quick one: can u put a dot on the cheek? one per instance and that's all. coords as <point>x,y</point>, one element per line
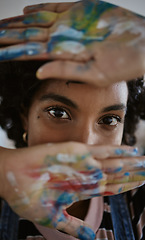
<point>40,131</point>
<point>117,139</point>
<point>35,129</point>
<point>113,138</point>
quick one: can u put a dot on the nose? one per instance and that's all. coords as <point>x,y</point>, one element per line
<point>87,135</point>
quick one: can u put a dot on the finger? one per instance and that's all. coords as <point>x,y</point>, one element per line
<point>52,7</point>
<point>81,162</point>
<point>112,189</point>
<point>117,165</point>
<point>83,72</point>
<point>28,51</point>
<point>30,20</point>
<point>74,227</point>
<point>68,70</point>
<point>113,151</point>
<point>15,36</point>
<point>126,177</point>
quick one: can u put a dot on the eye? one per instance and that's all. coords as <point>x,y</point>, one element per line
<point>110,120</point>
<point>58,112</point>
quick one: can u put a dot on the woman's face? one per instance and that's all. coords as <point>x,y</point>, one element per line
<point>67,111</point>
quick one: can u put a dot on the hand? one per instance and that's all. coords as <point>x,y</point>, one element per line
<point>40,182</point>
<point>112,51</point>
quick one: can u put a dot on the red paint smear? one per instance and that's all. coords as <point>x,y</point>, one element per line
<point>107,193</point>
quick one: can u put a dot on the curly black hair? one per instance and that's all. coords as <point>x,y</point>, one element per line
<point>18,84</point>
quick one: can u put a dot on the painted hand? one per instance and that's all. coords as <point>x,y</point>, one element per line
<point>100,43</point>
<point>41,182</point>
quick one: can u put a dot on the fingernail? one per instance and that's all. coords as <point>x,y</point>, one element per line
<point>39,73</point>
<point>85,233</point>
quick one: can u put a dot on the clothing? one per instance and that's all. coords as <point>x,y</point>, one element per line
<point>117,223</point>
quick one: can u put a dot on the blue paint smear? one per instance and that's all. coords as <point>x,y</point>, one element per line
<point>120,190</point>
<point>85,233</point>
<point>5,23</point>
<point>141,173</point>
<point>64,198</point>
<point>84,41</point>
<point>92,12</point>
<point>124,152</point>
<point>28,33</point>
<point>25,35</point>
<point>11,53</point>
<point>119,169</point>
<point>61,219</point>
<point>97,174</point>
<point>119,151</point>
<point>3,33</point>
<point>127,174</point>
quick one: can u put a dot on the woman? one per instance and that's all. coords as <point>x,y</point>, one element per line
<point>74,118</point>
<point>47,179</point>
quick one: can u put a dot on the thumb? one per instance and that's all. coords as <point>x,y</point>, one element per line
<point>75,227</point>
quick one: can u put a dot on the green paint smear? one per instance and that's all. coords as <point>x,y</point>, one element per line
<point>87,20</point>
<point>46,222</point>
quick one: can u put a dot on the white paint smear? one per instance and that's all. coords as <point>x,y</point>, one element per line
<point>11,178</point>
<point>66,158</point>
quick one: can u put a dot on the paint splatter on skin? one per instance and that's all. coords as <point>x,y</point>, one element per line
<point>11,178</point>
<point>123,152</point>
<point>24,35</point>
<point>29,49</point>
<point>41,18</point>
<point>62,179</point>
<point>77,30</point>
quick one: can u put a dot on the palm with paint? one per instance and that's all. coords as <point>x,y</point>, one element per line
<point>97,41</point>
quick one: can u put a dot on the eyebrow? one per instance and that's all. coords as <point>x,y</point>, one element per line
<point>114,107</point>
<point>59,98</point>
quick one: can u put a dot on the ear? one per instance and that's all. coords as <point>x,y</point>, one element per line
<point>24,118</point>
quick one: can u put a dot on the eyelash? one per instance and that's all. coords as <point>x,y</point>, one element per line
<point>62,109</point>
<point>58,108</point>
<point>118,120</point>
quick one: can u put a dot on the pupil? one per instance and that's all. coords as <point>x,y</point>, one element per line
<point>108,120</point>
<point>58,113</point>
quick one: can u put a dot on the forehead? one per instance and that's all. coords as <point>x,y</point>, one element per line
<point>77,91</point>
